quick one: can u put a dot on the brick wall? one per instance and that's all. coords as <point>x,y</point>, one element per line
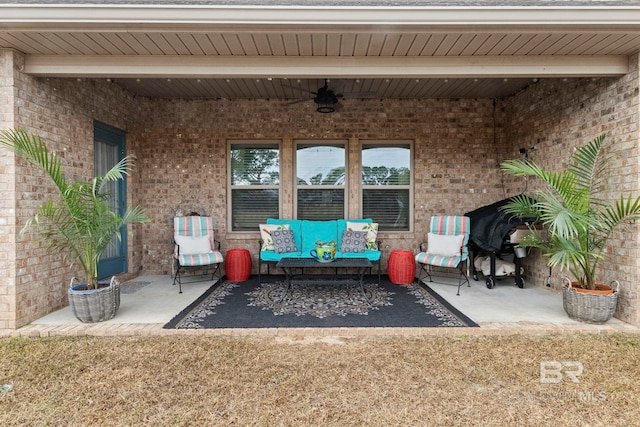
<point>7,197</point>
<point>556,116</point>
<point>182,148</point>
<point>183,157</point>
<point>61,111</point>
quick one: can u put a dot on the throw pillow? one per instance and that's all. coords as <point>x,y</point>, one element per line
<point>444,245</point>
<point>372,232</point>
<point>353,241</point>
<point>265,234</point>
<point>192,245</point>
<point>283,241</point>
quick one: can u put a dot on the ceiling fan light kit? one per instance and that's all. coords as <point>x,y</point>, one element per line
<point>325,107</point>
<point>325,99</point>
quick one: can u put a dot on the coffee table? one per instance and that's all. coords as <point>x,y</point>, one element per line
<point>288,265</point>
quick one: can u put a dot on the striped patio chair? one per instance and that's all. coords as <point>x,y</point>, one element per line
<point>195,246</point>
<point>446,247</point>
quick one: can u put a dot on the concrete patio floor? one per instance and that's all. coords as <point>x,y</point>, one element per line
<point>148,302</point>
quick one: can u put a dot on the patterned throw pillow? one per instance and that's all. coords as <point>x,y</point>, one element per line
<point>353,241</point>
<point>283,241</point>
<point>372,232</point>
<point>265,234</point>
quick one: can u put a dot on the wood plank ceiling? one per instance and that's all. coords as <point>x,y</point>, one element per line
<point>48,47</point>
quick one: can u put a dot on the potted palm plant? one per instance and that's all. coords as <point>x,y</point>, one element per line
<point>78,222</point>
<point>577,223</point>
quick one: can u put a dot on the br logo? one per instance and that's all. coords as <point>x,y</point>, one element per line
<point>552,372</point>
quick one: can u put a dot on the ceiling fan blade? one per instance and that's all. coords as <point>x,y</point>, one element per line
<point>361,95</point>
<point>296,88</point>
<point>297,101</point>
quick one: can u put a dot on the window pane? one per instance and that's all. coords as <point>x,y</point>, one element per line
<point>320,165</point>
<point>386,165</point>
<point>252,207</point>
<point>255,164</point>
<point>388,207</point>
<point>320,204</point>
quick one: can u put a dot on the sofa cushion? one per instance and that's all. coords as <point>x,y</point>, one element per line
<point>342,223</point>
<point>312,231</point>
<point>294,225</point>
<point>373,256</point>
<point>353,241</point>
<point>370,227</point>
<point>265,234</point>
<point>283,241</point>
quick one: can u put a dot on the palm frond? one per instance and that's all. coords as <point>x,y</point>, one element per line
<point>81,220</point>
<point>579,223</point>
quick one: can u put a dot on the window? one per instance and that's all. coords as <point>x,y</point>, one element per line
<point>386,184</point>
<point>320,180</point>
<point>255,183</point>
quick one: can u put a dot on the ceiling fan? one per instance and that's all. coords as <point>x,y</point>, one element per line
<point>326,99</point>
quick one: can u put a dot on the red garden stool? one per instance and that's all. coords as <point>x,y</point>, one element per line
<point>237,265</point>
<point>402,267</point>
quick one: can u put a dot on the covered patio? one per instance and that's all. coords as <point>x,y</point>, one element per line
<point>150,302</point>
<point>463,86</point>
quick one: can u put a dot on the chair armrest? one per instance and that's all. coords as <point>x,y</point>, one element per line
<point>423,247</point>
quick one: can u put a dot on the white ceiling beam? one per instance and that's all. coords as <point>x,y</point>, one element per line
<point>131,17</point>
<point>324,67</point>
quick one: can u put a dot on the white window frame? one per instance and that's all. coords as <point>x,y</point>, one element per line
<point>231,187</point>
<point>345,187</point>
<point>410,186</point>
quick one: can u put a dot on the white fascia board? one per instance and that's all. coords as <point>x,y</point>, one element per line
<point>300,18</point>
<point>324,67</point>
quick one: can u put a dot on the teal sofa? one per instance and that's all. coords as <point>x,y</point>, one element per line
<point>306,233</point>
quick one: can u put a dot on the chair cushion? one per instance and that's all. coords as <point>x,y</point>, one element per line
<point>370,227</point>
<point>191,245</point>
<point>446,245</point>
<point>283,241</point>
<point>353,241</point>
<point>265,234</point>
<point>213,257</point>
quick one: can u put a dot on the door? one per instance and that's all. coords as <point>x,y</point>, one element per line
<point>109,148</point>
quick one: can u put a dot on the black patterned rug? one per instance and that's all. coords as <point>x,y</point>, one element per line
<point>250,305</point>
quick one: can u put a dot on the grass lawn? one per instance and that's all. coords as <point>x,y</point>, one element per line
<point>204,381</point>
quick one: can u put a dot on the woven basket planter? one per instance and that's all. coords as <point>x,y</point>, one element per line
<point>588,307</point>
<point>95,305</point>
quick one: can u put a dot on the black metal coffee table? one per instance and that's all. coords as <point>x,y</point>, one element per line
<point>288,265</point>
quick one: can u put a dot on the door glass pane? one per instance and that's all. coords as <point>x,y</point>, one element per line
<point>105,157</point>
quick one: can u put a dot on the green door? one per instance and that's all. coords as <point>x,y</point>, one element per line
<point>109,148</point>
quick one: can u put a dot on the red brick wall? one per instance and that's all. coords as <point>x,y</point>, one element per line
<point>181,149</point>
<point>556,116</point>
<point>61,112</point>
<point>184,154</point>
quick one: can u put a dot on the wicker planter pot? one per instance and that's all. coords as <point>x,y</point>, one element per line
<point>589,307</point>
<point>95,305</point>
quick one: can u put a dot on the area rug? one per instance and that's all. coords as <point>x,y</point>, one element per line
<point>252,305</point>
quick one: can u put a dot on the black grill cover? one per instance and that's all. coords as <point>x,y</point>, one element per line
<point>490,226</point>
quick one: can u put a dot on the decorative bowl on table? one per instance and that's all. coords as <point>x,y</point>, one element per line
<point>324,253</point>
